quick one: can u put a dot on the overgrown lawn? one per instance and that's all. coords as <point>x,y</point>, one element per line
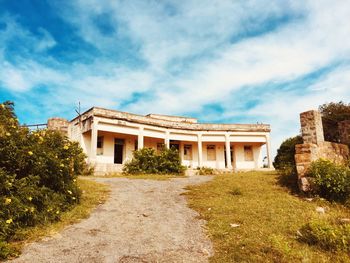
<point>268,216</point>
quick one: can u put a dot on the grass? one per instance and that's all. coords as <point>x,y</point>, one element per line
<point>269,218</point>
<point>93,194</point>
<point>158,177</point>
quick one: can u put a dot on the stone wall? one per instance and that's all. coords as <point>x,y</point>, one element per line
<point>314,146</point>
<point>344,131</point>
<point>59,124</point>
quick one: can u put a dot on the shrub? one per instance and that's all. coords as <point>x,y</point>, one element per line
<point>285,162</point>
<point>147,161</point>
<point>205,171</point>
<point>332,181</point>
<point>38,171</point>
<point>334,237</point>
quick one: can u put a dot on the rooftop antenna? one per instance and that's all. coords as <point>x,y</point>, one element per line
<point>78,110</point>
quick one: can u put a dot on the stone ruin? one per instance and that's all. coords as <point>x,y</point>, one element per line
<point>314,146</point>
<point>58,124</point>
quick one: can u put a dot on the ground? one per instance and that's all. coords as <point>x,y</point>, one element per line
<point>142,221</point>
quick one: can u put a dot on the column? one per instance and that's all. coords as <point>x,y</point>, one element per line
<point>94,134</point>
<point>167,140</point>
<point>269,161</point>
<point>140,139</point>
<point>200,151</point>
<point>228,151</point>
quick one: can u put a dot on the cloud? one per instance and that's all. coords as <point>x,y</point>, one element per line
<point>225,61</point>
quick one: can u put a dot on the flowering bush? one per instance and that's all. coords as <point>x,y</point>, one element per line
<point>38,173</point>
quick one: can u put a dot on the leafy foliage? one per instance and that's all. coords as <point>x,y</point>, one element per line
<point>148,161</point>
<point>38,173</point>
<point>333,237</point>
<point>332,181</point>
<point>205,171</point>
<point>285,163</point>
<point>332,113</point>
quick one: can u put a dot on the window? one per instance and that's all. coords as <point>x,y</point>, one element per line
<point>99,142</point>
<point>187,152</point>
<point>248,153</point>
<point>211,153</point>
<point>99,145</point>
<point>160,147</point>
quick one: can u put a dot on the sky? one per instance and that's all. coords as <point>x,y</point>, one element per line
<point>220,61</point>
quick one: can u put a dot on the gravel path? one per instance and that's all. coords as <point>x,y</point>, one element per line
<point>142,221</point>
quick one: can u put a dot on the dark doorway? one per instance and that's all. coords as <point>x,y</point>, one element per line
<point>175,144</point>
<point>118,150</point>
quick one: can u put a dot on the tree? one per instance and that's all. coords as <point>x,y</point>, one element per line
<point>332,113</point>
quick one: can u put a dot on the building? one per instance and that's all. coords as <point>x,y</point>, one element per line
<point>109,137</point>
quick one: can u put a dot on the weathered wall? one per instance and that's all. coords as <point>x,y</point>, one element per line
<point>344,131</point>
<point>59,124</point>
<point>314,146</point>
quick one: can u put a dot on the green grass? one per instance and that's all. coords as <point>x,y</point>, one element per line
<point>93,194</point>
<point>158,177</point>
<point>268,215</point>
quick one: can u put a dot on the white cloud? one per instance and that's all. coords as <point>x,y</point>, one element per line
<point>193,55</point>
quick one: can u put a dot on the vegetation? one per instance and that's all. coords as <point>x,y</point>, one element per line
<point>285,163</point>
<point>38,172</point>
<point>93,194</point>
<point>148,161</point>
<point>205,171</point>
<point>332,113</point>
<point>269,220</point>
<point>332,236</point>
<point>331,181</point>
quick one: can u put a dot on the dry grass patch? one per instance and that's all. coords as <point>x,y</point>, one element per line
<point>93,194</point>
<point>268,216</point>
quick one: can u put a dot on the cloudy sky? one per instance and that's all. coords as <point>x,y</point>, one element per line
<point>221,61</point>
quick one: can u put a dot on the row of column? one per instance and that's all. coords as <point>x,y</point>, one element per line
<point>140,140</point>
<point>140,145</point>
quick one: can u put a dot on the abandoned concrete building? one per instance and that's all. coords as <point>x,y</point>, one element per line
<point>109,137</point>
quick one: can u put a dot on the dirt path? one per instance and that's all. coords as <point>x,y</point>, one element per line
<point>143,221</point>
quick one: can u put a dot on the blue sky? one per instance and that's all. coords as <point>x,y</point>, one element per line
<point>220,61</point>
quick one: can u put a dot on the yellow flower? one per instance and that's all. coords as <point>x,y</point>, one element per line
<point>32,209</point>
<point>8,134</point>
<point>66,147</point>
<point>9,184</point>
<point>57,212</point>
<point>61,165</point>
<point>30,153</point>
<point>30,198</point>
<point>73,198</point>
<point>26,210</point>
<point>69,192</point>
<point>74,180</point>
<point>7,201</point>
<point>9,221</point>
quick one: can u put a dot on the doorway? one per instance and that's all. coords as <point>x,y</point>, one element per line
<point>118,150</point>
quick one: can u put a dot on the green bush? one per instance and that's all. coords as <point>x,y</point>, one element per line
<point>285,162</point>
<point>328,236</point>
<point>38,171</point>
<point>205,171</point>
<point>332,181</point>
<point>148,161</point>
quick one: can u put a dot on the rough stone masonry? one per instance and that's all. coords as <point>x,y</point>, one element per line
<point>314,146</point>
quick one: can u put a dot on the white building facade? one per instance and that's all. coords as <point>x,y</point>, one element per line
<point>109,137</point>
